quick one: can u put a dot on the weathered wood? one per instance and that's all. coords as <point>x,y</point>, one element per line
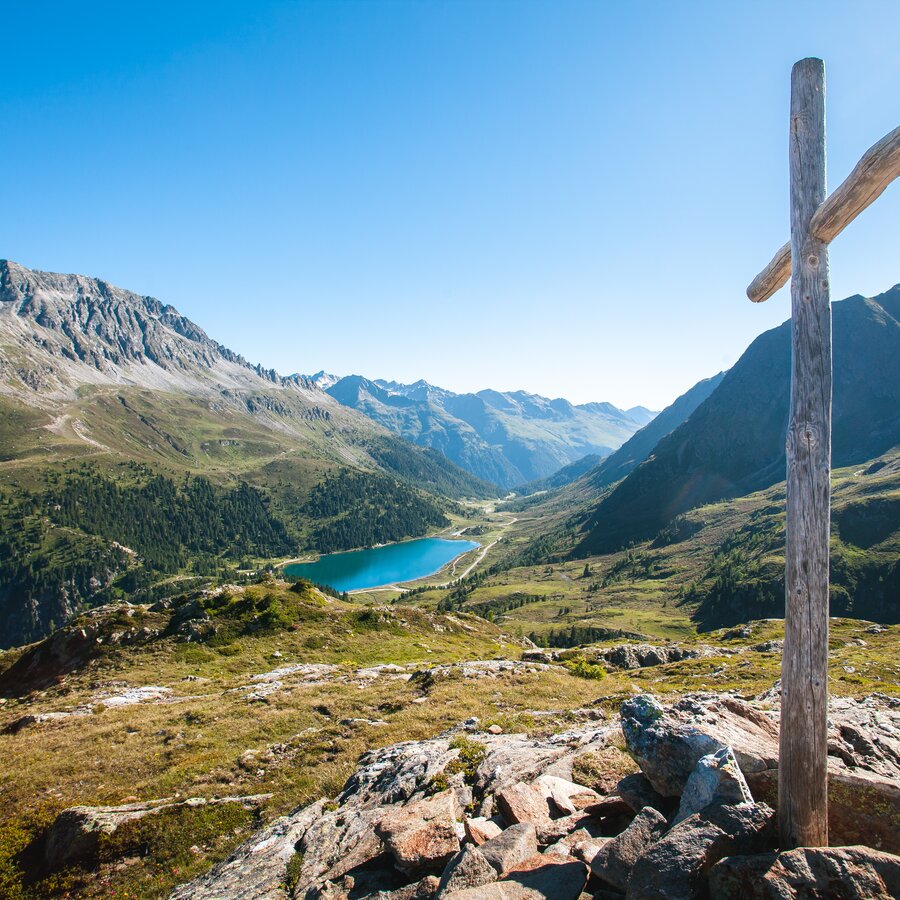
<point>879,166</point>
<point>803,755</point>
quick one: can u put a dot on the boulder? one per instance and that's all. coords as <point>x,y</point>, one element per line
<point>420,890</point>
<point>336,843</point>
<point>675,867</point>
<point>667,744</point>
<point>587,849</point>
<point>421,835</point>
<point>479,830</point>
<point>513,758</point>
<point>540,877</point>
<point>549,876</point>
<point>75,833</point>
<point>615,859</point>
<point>808,873</point>
<point>716,778</point>
<point>863,773</point>
<point>468,869</point>
<point>567,796</point>
<point>520,803</point>
<point>509,848</point>
<point>637,792</point>
<point>863,755</point>
<point>556,829</point>
<point>639,656</point>
<point>394,774</point>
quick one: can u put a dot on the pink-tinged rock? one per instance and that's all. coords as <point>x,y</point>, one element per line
<point>615,860</point>
<point>520,803</point>
<point>510,847</point>
<point>421,835</point>
<point>567,796</point>
<point>480,830</point>
<point>808,873</point>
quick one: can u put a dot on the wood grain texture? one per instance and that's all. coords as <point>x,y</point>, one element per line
<point>879,166</point>
<point>802,765</point>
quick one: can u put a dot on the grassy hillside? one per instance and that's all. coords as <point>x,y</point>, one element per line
<point>115,492</point>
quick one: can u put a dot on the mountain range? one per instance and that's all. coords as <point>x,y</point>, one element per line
<point>733,442</point>
<point>508,438</point>
<point>135,446</point>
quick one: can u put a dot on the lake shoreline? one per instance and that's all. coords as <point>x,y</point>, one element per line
<point>353,571</point>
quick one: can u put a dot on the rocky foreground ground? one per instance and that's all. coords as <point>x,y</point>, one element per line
<point>482,814</point>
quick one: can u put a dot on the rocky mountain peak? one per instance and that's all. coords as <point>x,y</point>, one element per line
<point>60,331</point>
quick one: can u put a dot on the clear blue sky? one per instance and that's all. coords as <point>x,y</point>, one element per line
<point>564,197</point>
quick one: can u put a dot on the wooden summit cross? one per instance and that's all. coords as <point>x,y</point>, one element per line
<point>815,222</point>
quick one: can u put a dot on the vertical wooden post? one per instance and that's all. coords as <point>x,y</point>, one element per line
<point>802,766</point>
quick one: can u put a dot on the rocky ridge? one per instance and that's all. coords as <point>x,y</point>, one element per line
<point>60,331</point>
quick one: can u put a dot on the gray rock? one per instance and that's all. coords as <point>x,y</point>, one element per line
<point>842,873</point>
<point>257,868</point>
<point>614,860</point>
<point>393,774</point>
<point>639,656</point>
<point>557,829</point>
<point>421,890</point>
<point>507,850</point>
<point>335,843</point>
<point>863,755</point>
<point>468,869</point>
<point>666,751</point>
<point>716,778</point>
<point>541,878</point>
<point>637,792</point>
<point>552,877</point>
<point>567,796</point>
<point>513,758</point>
<point>675,867</point>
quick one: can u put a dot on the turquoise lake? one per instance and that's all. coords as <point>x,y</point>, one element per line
<point>393,563</point>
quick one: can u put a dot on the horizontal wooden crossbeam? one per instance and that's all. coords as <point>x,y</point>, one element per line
<point>879,166</point>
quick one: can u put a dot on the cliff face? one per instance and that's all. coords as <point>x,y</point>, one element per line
<point>60,331</point>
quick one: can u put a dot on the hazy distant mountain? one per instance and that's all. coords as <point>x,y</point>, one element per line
<point>638,447</point>
<point>734,441</point>
<point>562,477</point>
<point>505,437</point>
<point>641,414</point>
<point>324,380</point>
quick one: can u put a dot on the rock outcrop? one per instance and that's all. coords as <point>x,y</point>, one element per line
<point>808,874</point>
<point>76,832</point>
<point>510,821</point>
<point>863,755</point>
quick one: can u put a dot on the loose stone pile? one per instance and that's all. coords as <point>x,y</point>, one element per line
<point>474,814</point>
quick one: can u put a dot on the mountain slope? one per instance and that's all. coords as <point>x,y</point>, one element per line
<point>121,422</point>
<point>509,438</point>
<point>734,442</point>
<point>640,445</point>
<point>562,477</point>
